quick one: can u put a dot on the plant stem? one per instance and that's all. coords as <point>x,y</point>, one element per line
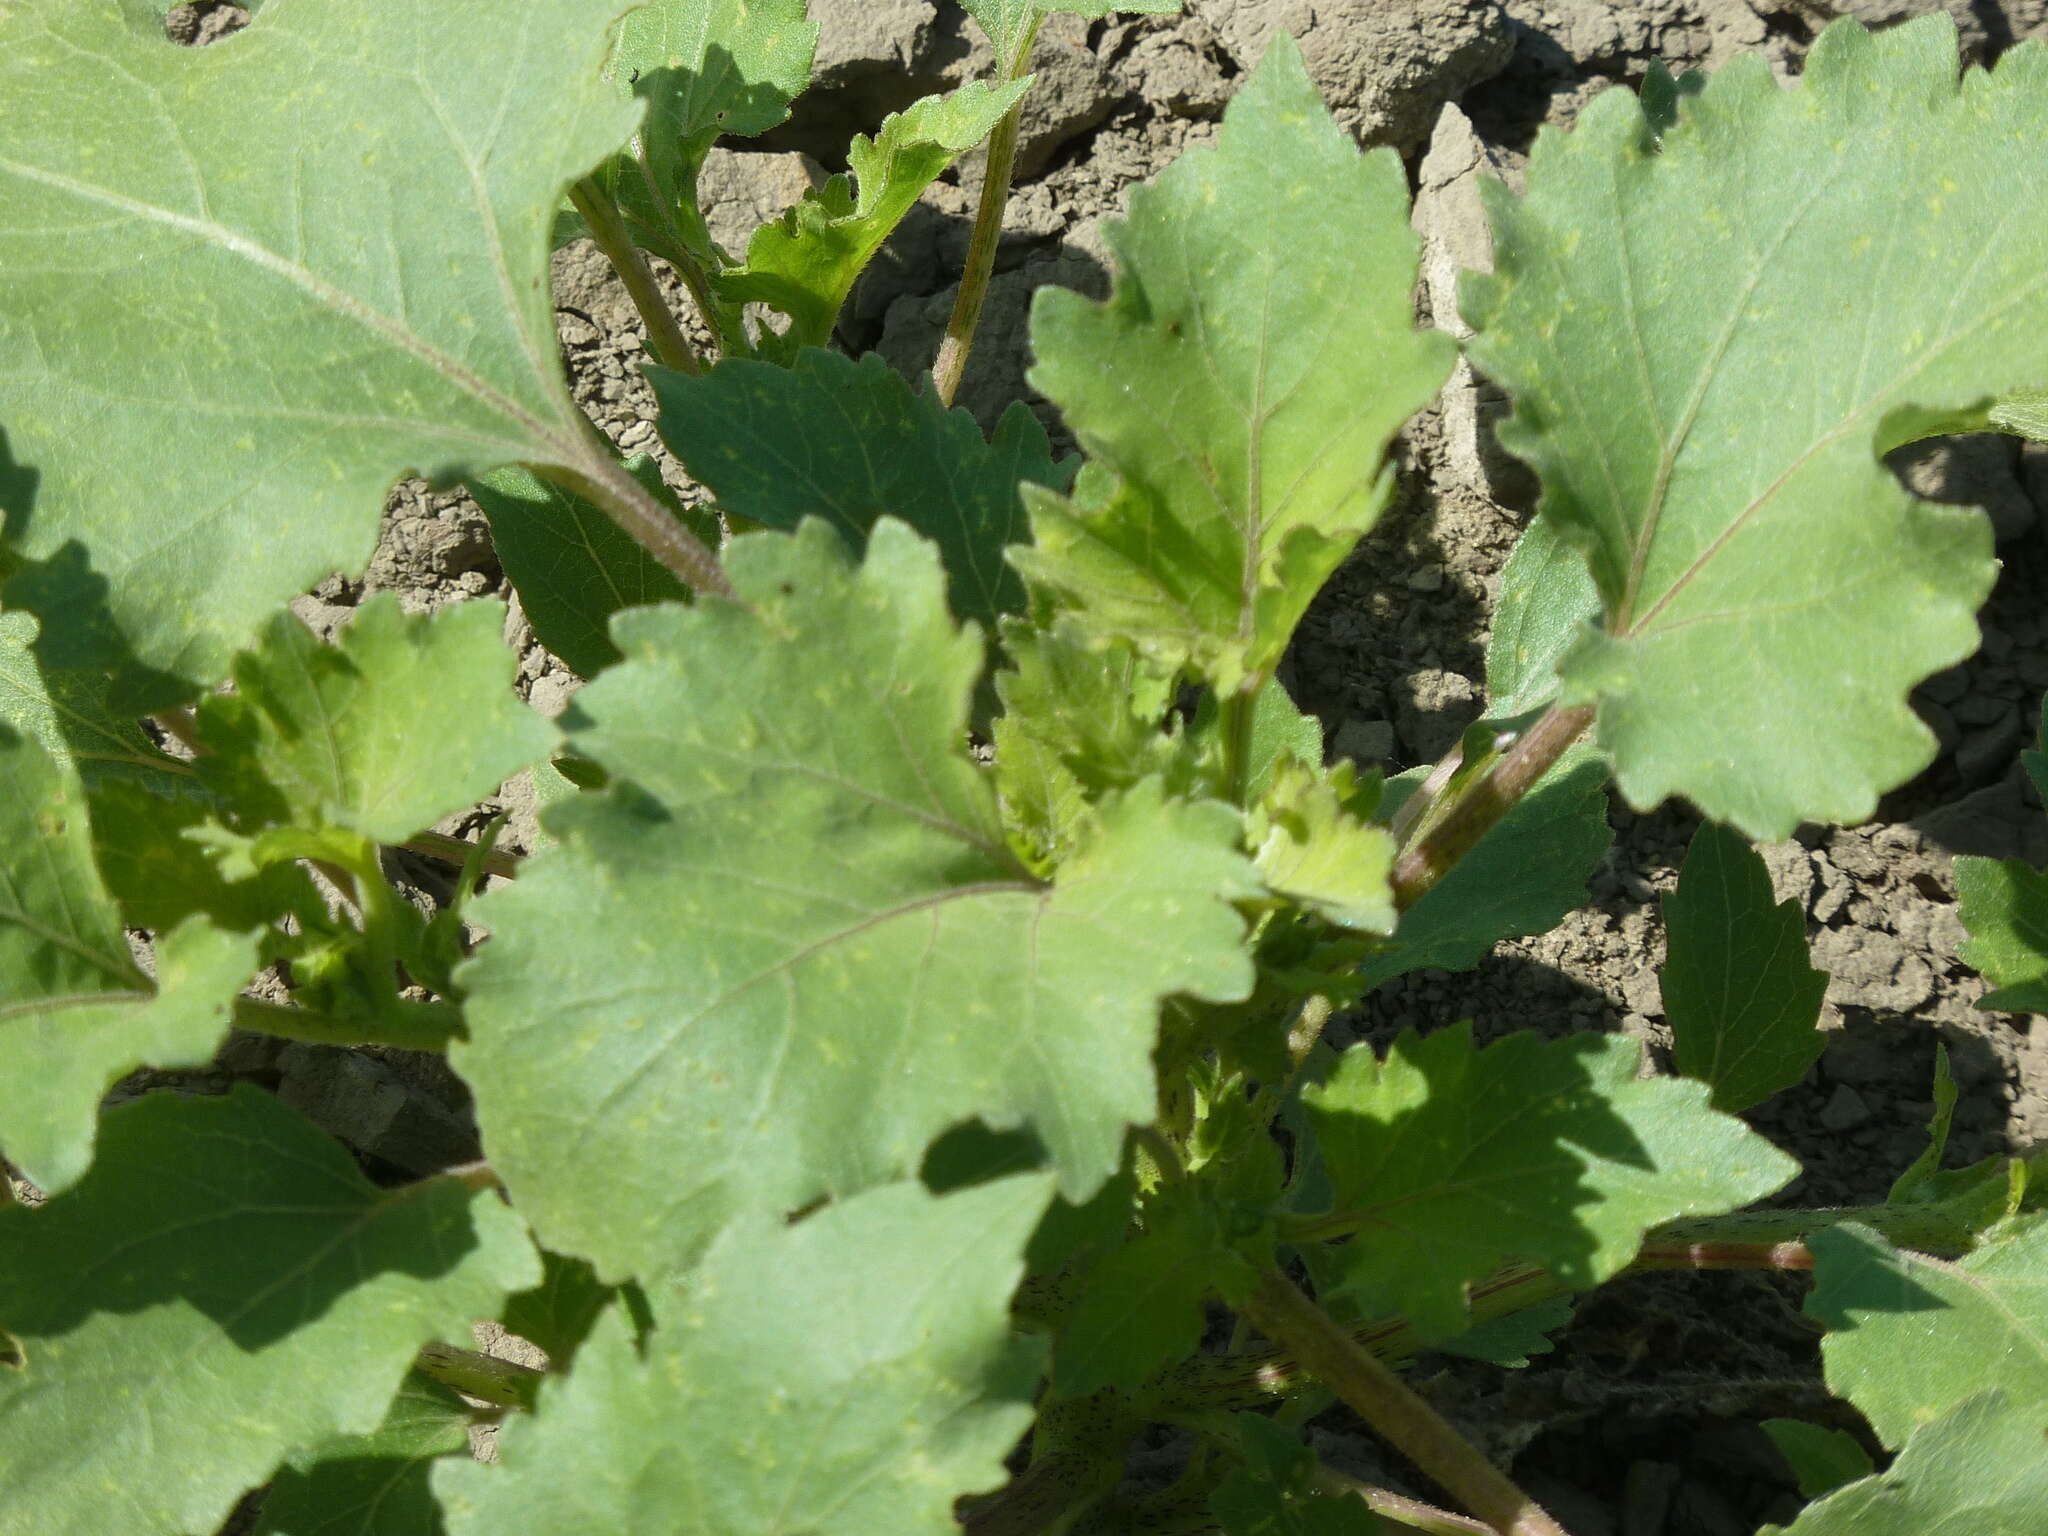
<point>599,480</point>
<point>1484,801</point>
<point>1398,1507</point>
<point>665,338</point>
<point>1284,1314</point>
<point>481,1376</point>
<point>988,233</point>
<point>456,851</point>
<point>409,1026</point>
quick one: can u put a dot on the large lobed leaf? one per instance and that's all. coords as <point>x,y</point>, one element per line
<point>276,273</point>
<point>76,1013</point>
<point>1455,1159</point>
<point>793,946</point>
<point>224,1288</point>
<point>1711,335</point>
<point>1977,1472</point>
<point>1911,1338</point>
<point>1237,392</point>
<point>853,1373</point>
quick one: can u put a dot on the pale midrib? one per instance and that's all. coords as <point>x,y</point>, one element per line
<point>1667,462</point>
<point>335,299</point>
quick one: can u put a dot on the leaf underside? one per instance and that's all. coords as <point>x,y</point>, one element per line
<point>1711,336</point>
<point>277,272</point>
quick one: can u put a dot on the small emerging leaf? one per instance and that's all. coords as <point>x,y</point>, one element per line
<point>805,263</point>
<point>407,718</point>
<point>1743,1002</point>
<point>1310,848</point>
<point>1237,392</point>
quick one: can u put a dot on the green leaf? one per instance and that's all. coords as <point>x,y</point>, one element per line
<point>572,565</point>
<point>1911,1337</point>
<point>1273,1493</point>
<point>2024,413</point>
<point>374,1484</point>
<point>1006,21</point>
<point>1821,1459</point>
<point>407,718</point>
<point>76,1014</point>
<point>870,446</point>
<point>1711,337</point>
<point>1743,1002</point>
<point>852,1373</point>
<point>1924,1179</point>
<point>2004,905</point>
<point>1238,391</point>
<point>223,1288</point>
<point>793,947</point>
<point>558,1314</point>
<point>707,69</point>
<point>1141,1310</point>
<point>1980,1471</point>
<point>1312,850</point>
<point>1523,877</point>
<point>69,716</point>
<point>1514,1339</point>
<point>804,264</point>
<point>1572,1161</point>
<point>1547,603</point>
<point>152,854</point>
<point>254,283</point>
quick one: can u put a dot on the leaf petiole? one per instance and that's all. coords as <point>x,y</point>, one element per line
<point>988,231</point>
<point>665,338</point>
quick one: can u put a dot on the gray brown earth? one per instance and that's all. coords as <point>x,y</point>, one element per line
<point>1639,1424</point>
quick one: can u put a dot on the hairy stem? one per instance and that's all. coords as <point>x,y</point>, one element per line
<point>665,338</point>
<point>988,232</point>
<point>1483,802</point>
<point>599,480</point>
<point>1285,1315</point>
